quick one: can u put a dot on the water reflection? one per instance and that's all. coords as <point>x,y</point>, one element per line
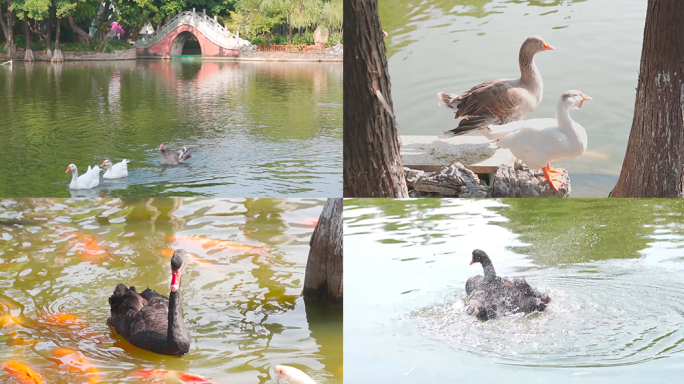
<point>258,128</point>
<point>60,260</point>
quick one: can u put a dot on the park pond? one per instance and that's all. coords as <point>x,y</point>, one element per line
<point>259,129</point>
<point>449,46</point>
<point>60,260</point>
<point>614,270</point>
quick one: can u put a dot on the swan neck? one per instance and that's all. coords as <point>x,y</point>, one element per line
<point>489,272</point>
<point>177,336</point>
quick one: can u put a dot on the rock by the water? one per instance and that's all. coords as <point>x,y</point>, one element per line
<point>249,47</point>
<point>520,181</point>
<point>321,35</point>
<point>458,181</point>
<point>337,48</point>
<point>453,181</point>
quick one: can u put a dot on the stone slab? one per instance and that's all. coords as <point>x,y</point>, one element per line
<point>430,153</point>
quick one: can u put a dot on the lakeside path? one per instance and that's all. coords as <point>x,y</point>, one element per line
<point>130,54</point>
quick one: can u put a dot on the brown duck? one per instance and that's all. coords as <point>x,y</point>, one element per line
<point>169,157</point>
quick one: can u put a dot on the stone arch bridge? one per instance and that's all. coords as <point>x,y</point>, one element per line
<point>168,40</point>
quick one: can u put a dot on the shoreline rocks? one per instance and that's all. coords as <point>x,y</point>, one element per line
<point>458,181</point>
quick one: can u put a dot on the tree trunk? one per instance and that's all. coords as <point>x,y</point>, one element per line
<point>28,55</point>
<point>57,55</point>
<point>654,162</point>
<point>372,161</point>
<point>7,29</point>
<point>323,279</point>
<point>49,34</point>
<point>83,36</point>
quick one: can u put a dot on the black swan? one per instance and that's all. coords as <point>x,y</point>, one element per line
<point>149,320</point>
<point>490,294</point>
<point>172,158</point>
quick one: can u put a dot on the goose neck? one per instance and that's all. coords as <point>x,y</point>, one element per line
<point>529,74</point>
<point>563,116</point>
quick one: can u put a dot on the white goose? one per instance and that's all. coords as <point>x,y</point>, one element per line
<point>538,142</point>
<point>88,180</point>
<point>115,171</point>
<point>291,375</point>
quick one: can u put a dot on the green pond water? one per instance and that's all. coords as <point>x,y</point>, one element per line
<point>614,270</point>
<point>61,259</point>
<point>450,46</point>
<point>263,129</point>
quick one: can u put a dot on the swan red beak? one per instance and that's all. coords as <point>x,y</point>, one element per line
<point>547,47</point>
<point>175,280</point>
<point>68,169</point>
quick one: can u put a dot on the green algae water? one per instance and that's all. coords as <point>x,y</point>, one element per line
<point>259,129</point>
<point>60,260</point>
<point>614,270</point>
<point>450,46</point>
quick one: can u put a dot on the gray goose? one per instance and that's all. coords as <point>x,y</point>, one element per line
<point>501,101</point>
<point>172,158</point>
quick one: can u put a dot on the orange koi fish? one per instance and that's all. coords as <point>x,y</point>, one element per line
<point>63,320</point>
<point>17,340</point>
<point>215,244</point>
<point>193,259</point>
<point>75,361</point>
<point>84,245</point>
<point>22,372</point>
<point>172,375</point>
<point>6,320</point>
<point>310,223</point>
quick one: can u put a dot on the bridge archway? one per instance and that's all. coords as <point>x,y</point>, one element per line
<point>178,46</point>
<point>214,40</point>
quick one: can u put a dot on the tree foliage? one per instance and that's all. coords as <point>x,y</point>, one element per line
<point>251,18</point>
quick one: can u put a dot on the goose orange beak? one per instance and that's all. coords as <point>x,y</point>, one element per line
<point>471,263</point>
<point>68,169</point>
<point>103,163</point>
<point>160,147</point>
<point>547,47</point>
<point>584,98</point>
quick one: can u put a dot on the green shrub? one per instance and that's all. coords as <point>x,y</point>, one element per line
<point>279,39</point>
<point>332,39</point>
<point>256,40</point>
<point>117,46</point>
<point>304,39</point>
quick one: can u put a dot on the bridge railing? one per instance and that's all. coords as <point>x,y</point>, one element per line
<point>213,30</point>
